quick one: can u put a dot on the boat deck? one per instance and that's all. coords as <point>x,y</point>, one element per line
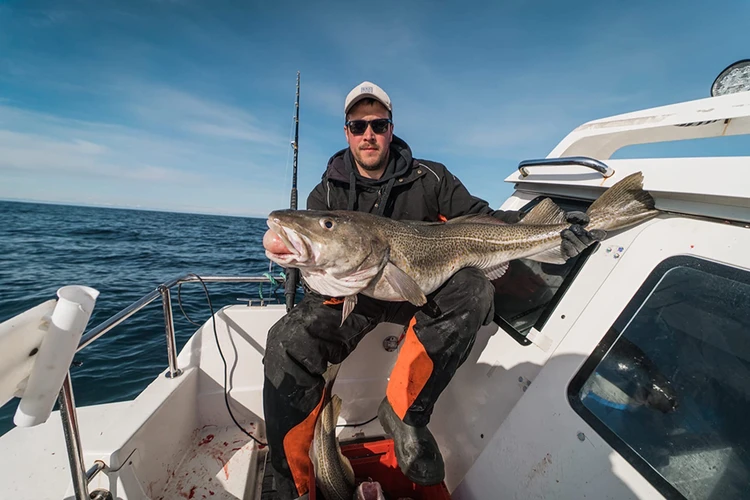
<point>223,464</point>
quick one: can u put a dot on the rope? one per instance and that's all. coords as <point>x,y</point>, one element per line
<point>273,281</point>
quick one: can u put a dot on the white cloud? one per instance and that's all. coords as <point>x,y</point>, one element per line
<point>221,159</point>
<point>38,153</point>
<point>177,110</point>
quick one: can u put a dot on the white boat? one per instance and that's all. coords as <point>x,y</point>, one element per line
<point>562,396</point>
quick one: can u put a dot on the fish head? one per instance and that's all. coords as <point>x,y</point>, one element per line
<point>369,490</point>
<point>336,243</point>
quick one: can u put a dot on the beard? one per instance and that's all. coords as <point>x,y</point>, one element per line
<point>372,162</point>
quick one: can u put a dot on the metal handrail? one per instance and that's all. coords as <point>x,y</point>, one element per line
<point>82,477</point>
<point>163,291</point>
<point>583,161</point>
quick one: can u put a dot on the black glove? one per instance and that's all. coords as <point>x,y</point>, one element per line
<point>508,216</point>
<point>576,239</point>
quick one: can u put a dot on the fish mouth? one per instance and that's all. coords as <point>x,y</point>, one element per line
<point>298,245</point>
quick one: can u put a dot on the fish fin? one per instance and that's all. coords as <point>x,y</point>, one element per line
<point>349,302</point>
<point>330,374</point>
<point>404,284</point>
<point>313,451</point>
<point>546,212</point>
<point>336,407</point>
<point>476,219</point>
<point>496,272</point>
<point>622,205</point>
<point>348,469</point>
<point>551,256</point>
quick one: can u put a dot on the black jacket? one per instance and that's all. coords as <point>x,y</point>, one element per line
<point>410,189</point>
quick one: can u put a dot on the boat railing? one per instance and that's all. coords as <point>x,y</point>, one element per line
<point>80,475</point>
<point>583,161</point>
<point>163,291</point>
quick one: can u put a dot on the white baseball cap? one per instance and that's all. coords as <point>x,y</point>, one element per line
<point>367,90</point>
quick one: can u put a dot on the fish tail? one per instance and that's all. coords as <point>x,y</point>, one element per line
<point>330,376</point>
<point>335,408</point>
<point>624,204</point>
<point>331,403</point>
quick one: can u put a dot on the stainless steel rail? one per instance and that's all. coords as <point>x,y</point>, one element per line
<point>99,330</point>
<point>81,477</point>
<point>73,440</point>
<point>166,300</point>
<point>583,161</point>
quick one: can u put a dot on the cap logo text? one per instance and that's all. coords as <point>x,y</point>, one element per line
<point>365,90</point>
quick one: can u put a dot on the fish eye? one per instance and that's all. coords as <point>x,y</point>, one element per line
<point>326,223</point>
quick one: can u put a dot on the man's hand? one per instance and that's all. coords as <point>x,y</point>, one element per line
<point>576,239</point>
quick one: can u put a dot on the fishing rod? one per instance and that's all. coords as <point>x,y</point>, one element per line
<point>290,285</point>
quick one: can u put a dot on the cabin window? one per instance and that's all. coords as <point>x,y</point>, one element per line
<point>529,291</point>
<point>669,385</point>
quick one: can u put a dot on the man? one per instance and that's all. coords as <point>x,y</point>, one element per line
<point>378,174</point>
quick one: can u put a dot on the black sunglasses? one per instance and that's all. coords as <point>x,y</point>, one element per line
<point>358,127</point>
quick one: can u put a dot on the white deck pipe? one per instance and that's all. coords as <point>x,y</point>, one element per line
<point>69,319</point>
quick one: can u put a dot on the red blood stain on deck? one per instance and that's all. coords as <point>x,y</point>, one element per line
<point>211,492</point>
<point>261,446</point>
<point>206,440</point>
<point>236,449</point>
<point>226,444</point>
<point>186,494</point>
<point>217,455</point>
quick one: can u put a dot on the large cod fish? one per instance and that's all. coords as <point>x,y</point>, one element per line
<point>344,253</point>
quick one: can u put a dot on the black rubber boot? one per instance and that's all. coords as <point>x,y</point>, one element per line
<point>417,451</point>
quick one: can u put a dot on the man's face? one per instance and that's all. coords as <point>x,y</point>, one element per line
<point>370,150</point>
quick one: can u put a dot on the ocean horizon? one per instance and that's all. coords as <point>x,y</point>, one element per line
<point>125,254</point>
<point>135,207</point>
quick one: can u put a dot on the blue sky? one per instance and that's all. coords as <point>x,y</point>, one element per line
<point>188,105</point>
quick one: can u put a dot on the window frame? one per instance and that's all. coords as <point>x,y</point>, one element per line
<point>549,308</point>
<point>628,313</point>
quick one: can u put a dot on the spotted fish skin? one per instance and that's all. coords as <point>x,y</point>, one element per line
<point>345,253</point>
<point>334,475</point>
